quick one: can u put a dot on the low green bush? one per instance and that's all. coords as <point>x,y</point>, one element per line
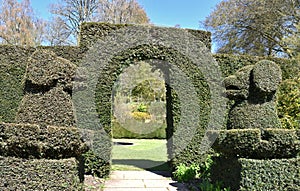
<point>208,186</point>
<point>205,168</point>
<point>184,173</point>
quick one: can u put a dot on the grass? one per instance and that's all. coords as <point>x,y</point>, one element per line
<point>143,154</point>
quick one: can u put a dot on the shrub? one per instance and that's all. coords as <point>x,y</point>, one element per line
<point>205,167</point>
<point>94,165</point>
<point>288,103</point>
<point>185,173</point>
<point>208,186</point>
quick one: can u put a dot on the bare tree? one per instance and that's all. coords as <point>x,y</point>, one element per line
<point>69,14</point>
<point>293,43</point>
<point>19,25</point>
<point>73,12</point>
<point>58,33</point>
<point>255,27</point>
<point>122,11</point>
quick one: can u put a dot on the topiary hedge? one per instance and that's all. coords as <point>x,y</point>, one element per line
<point>48,80</point>
<point>42,174</point>
<point>110,72</point>
<point>34,141</point>
<point>253,89</point>
<point>257,144</point>
<point>252,174</point>
<point>93,31</point>
<point>13,63</point>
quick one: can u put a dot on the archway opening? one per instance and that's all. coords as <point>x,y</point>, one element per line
<point>139,122</point>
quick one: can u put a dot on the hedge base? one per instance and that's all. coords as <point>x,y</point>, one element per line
<point>256,143</point>
<point>249,174</point>
<point>23,174</point>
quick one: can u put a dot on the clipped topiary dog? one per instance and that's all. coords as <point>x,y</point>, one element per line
<point>48,86</point>
<point>253,88</point>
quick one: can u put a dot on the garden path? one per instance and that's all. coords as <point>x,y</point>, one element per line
<point>142,181</point>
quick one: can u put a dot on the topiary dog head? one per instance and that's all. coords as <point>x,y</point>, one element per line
<point>46,69</point>
<point>254,82</point>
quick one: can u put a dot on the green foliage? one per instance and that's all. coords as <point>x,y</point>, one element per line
<point>39,174</point>
<point>47,80</point>
<point>208,186</point>
<point>142,108</point>
<point>121,131</point>
<point>205,168</point>
<point>251,174</point>
<point>257,144</point>
<point>34,141</point>
<point>12,70</point>
<point>94,165</point>
<point>184,173</point>
<point>253,89</point>
<point>229,64</point>
<point>288,104</point>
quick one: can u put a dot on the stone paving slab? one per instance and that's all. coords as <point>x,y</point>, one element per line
<point>142,181</point>
<point>140,189</point>
<point>158,175</point>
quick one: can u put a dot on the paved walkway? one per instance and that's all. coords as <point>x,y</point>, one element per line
<point>142,181</point>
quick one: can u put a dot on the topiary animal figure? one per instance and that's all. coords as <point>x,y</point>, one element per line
<point>48,87</point>
<point>253,89</point>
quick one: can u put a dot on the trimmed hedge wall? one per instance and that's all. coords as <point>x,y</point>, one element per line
<point>109,76</point>
<point>252,174</point>
<point>34,141</point>
<point>42,174</point>
<point>121,132</point>
<point>92,32</point>
<point>257,144</point>
<point>231,63</point>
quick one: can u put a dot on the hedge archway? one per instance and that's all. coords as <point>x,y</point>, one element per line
<point>194,92</point>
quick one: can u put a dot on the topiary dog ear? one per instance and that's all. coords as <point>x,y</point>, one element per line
<point>44,67</point>
<point>266,76</point>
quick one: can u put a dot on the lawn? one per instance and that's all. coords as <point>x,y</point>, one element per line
<point>139,154</point>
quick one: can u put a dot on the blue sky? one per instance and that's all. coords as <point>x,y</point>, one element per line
<point>186,13</point>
